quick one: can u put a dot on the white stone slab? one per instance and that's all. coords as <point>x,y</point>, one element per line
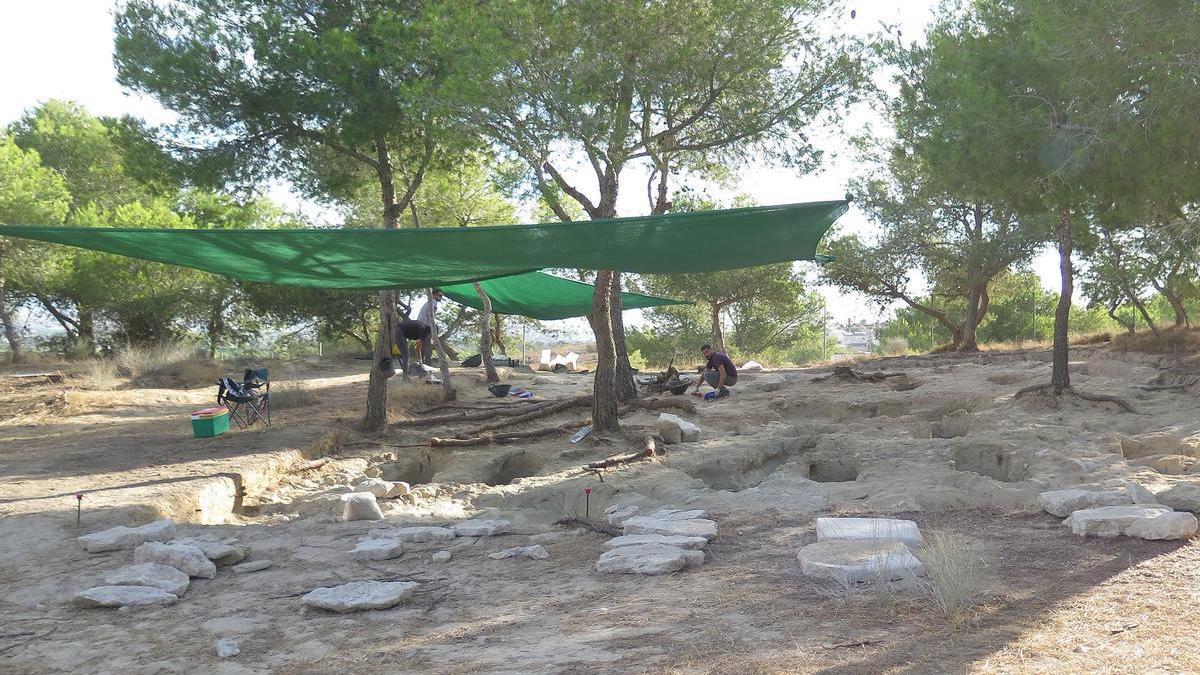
<point>617,514</point>
<point>535,552</point>
<point>869,529</point>
<point>441,557</point>
<point>851,561</point>
<point>1063,503</point>
<point>358,596</point>
<point>481,528</point>
<point>360,506</point>
<point>422,534</point>
<point>163,577</point>
<point>378,549</point>
<point>696,527</point>
<point>187,559</point>
<point>1145,521</point>
<point>220,553</point>
<point>228,648</point>
<point>124,538</point>
<point>643,559</point>
<point>124,596</point>
<point>252,566</point>
<point>676,514</point>
<point>689,543</point>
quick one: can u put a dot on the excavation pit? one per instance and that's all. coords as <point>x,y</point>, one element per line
<point>993,461</point>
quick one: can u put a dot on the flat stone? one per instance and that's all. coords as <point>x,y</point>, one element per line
<point>695,527</point>
<point>1147,521</point>
<point>441,557</point>
<point>162,577</point>
<point>851,561</point>
<point>228,648</point>
<point>220,553</point>
<point>693,558</point>
<point>675,429</point>
<point>1063,503</point>
<point>360,506</point>
<point>535,552</point>
<point>422,534</point>
<point>1139,494</point>
<point>771,382</point>
<point>481,528</point>
<point>676,514</point>
<point>1181,496</point>
<point>358,596</point>
<point>869,529</point>
<point>377,549</point>
<point>382,489</point>
<point>680,541</point>
<point>187,559</point>
<point>643,559</point>
<point>252,566</point>
<point>617,514</point>
<point>124,538</point>
<point>124,596</point>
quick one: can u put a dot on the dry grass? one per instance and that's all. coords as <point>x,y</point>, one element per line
<point>98,374</point>
<point>896,346</point>
<point>292,394</point>
<point>416,394</point>
<point>955,573</point>
<point>1169,341</point>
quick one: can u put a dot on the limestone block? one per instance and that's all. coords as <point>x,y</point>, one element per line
<point>124,596</point>
<point>695,527</point>
<point>1141,495</point>
<point>1063,503</point>
<point>187,559</point>
<point>383,489</point>
<point>358,596</point>
<point>441,557</point>
<point>675,429</point>
<point>687,543</point>
<point>481,528</point>
<point>677,514</point>
<point>869,529</point>
<point>643,559</point>
<point>220,553</point>
<point>253,566</point>
<point>377,549</point>
<point>1143,521</point>
<point>422,534</point>
<point>163,577</point>
<point>228,648</point>
<point>617,514</point>
<point>360,506</point>
<point>1181,497</point>
<point>535,552</point>
<point>123,538</point>
<point>851,561</point>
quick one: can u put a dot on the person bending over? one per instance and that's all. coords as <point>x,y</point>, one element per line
<point>719,372</point>
<point>425,315</point>
<point>406,330</point>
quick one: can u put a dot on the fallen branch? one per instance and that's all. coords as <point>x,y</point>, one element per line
<point>469,416</point>
<point>593,525</point>
<point>848,374</point>
<point>309,466</point>
<point>1096,398</point>
<point>489,439</point>
<point>649,449</point>
<point>543,411</point>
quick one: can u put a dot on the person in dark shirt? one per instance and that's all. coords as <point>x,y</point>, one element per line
<point>719,372</point>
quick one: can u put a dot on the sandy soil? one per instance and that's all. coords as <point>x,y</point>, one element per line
<point>773,457</point>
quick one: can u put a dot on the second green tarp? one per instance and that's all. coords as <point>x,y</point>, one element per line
<point>543,296</point>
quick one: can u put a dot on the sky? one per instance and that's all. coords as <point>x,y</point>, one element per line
<point>63,49</point>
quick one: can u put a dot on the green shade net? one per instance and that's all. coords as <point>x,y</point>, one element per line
<point>543,296</point>
<point>368,259</point>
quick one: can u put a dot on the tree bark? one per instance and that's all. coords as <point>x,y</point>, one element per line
<point>377,384</point>
<point>718,336</point>
<point>216,326</point>
<point>604,400</point>
<point>1060,375</point>
<point>626,389</point>
<point>972,319</point>
<point>448,392</point>
<point>10,330</point>
<point>485,334</point>
<point>498,334</point>
<point>1181,317</point>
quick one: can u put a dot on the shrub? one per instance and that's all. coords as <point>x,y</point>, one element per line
<point>954,573</point>
<point>896,346</point>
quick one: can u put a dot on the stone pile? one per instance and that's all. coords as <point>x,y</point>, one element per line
<point>675,429</point>
<point>1131,512</point>
<point>862,550</point>
<point>663,542</point>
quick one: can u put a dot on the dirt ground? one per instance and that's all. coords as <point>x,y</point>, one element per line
<point>946,445</point>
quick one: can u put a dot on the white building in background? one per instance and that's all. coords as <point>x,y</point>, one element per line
<point>856,338</point>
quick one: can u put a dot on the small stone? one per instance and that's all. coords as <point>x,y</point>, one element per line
<point>481,528</point>
<point>358,596</point>
<point>124,596</point>
<point>617,514</point>
<point>187,559</point>
<point>693,558</point>
<point>422,534</point>
<point>869,529</point>
<point>643,559</point>
<point>535,552</point>
<point>1140,495</point>
<point>228,648</point>
<point>850,561</point>
<point>360,506</point>
<point>696,527</point>
<point>1063,503</point>
<point>382,489</point>
<point>441,557</point>
<point>377,549</point>
<point>676,514</point>
<point>220,553</point>
<point>1144,522</point>
<point>688,543</point>
<point>163,577</point>
<point>123,538</point>
<point>750,367</point>
<point>252,566</point>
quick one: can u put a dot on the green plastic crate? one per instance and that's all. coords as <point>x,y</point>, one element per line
<point>212,426</point>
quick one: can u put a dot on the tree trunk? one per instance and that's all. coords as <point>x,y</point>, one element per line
<point>216,326</point>
<point>485,334</point>
<point>1127,325</point>
<point>604,401</point>
<point>453,326</point>
<point>498,334</point>
<point>972,319</point>
<point>87,331</point>
<point>10,330</point>
<point>1060,375</point>
<point>448,393</point>
<point>1181,317</point>
<point>718,337</point>
<point>1141,308</point>
<point>376,418</point>
<point>626,389</point>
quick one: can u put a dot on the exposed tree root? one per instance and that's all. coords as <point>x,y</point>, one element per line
<point>593,525</point>
<point>472,416</point>
<point>541,411</point>
<point>489,439</point>
<point>1048,389</point>
<point>848,374</point>
<point>648,451</point>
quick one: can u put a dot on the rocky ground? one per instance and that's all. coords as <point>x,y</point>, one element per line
<point>943,443</point>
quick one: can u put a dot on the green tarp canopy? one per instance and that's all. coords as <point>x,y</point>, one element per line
<point>543,296</point>
<point>369,259</point>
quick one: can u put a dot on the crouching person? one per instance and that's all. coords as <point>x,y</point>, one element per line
<point>719,371</point>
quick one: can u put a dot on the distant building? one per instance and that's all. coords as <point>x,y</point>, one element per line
<point>857,338</point>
